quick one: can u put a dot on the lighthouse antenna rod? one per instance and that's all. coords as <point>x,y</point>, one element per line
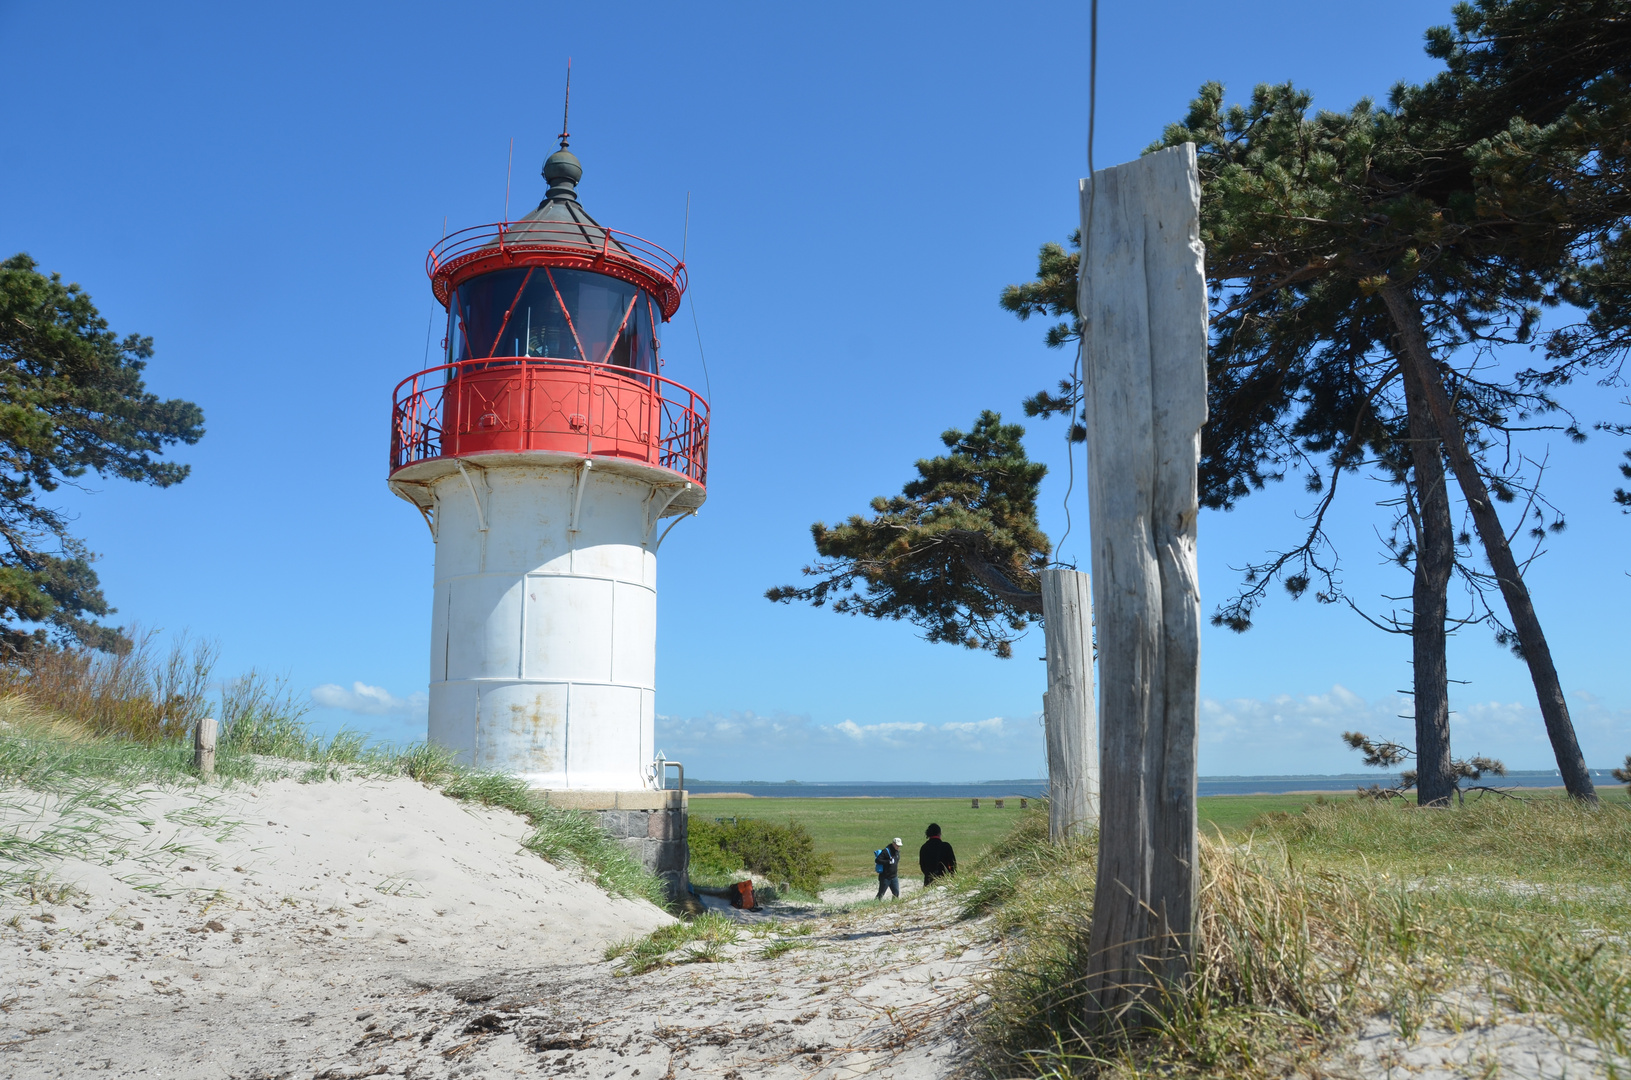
<point>509,167</point>
<point>566,106</point>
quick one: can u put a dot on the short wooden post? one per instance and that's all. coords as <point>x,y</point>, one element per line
<point>974,804</point>
<point>999,804</point>
<point>1143,304</point>
<point>204,746</point>
<point>1023,803</point>
<point>1067,704</point>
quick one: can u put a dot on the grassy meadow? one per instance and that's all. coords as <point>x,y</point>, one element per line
<point>852,829</point>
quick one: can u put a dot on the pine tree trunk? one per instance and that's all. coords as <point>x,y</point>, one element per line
<point>1554,710</point>
<point>1435,559</point>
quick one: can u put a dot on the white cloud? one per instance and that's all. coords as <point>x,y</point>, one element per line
<point>368,700</point>
<point>745,745</point>
<point>1302,733</point>
<point>1292,733</point>
<point>887,734</point>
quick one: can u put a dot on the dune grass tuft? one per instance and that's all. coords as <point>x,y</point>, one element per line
<point>704,938</point>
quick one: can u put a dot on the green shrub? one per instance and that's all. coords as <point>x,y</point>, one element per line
<point>784,853</point>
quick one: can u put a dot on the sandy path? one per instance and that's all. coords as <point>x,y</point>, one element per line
<point>365,928</point>
<point>378,928</point>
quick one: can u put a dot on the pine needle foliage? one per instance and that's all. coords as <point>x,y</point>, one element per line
<point>72,401</point>
<point>956,553</point>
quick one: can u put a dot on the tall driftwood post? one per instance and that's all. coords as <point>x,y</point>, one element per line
<point>1143,303</point>
<point>1067,705</point>
<point>204,746</point>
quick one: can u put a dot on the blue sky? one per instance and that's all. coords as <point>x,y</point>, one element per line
<point>256,185</point>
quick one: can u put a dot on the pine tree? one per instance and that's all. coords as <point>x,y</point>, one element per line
<point>1353,254</point>
<point>956,553</point>
<point>72,401</point>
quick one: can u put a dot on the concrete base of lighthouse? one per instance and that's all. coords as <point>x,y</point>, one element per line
<point>651,825</point>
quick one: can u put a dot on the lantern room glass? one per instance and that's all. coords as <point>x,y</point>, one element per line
<point>547,312</point>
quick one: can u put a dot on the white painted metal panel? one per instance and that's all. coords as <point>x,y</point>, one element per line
<point>569,628</point>
<point>525,730</point>
<point>452,721</point>
<point>484,628</point>
<point>603,751</point>
<point>634,617</point>
<point>438,633</point>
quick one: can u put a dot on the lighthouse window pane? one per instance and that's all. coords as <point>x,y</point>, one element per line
<point>520,312</point>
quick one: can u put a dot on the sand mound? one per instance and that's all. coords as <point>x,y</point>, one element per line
<point>289,900</point>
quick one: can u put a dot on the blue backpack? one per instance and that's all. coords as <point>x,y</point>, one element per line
<point>881,862</point>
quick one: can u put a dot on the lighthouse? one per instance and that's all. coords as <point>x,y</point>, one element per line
<point>550,456</point>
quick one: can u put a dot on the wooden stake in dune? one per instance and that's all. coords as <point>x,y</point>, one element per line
<point>1067,704</point>
<point>204,746</point>
<point>1143,304</point>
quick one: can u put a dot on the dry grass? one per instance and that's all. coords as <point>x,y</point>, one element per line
<point>1316,922</point>
<point>142,694</point>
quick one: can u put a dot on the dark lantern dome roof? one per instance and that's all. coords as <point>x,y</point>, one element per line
<point>559,233</point>
<point>560,219</point>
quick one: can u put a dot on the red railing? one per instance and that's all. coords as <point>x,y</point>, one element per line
<point>521,404</point>
<point>589,247</point>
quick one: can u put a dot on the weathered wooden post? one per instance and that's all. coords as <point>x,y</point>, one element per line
<point>204,746</point>
<point>1067,704</point>
<point>1143,302</point>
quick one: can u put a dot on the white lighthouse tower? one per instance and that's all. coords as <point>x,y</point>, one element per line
<point>545,454</point>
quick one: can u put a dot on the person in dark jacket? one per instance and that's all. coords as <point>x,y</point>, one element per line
<point>935,858</point>
<point>888,867</point>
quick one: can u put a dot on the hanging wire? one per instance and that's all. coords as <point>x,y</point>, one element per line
<point>1082,267</point>
<point>691,298</point>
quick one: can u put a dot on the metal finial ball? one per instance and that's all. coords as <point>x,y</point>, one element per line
<point>563,165</point>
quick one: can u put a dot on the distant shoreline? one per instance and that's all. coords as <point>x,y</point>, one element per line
<point>1208,786</point>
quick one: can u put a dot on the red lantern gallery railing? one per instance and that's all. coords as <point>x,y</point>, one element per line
<point>576,245</point>
<point>565,406</point>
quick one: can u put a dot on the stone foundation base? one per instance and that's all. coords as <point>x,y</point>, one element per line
<point>651,824</point>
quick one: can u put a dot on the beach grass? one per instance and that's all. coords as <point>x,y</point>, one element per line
<point>1311,922</point>
<point>688,941</point>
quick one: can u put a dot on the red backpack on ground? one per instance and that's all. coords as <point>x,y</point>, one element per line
<point>742,895</point>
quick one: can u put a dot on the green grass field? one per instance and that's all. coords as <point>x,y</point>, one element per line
<point>852,829</point>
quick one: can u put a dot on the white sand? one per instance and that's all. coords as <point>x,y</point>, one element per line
<point>378,928</point>
<point>324,894</point>
<point>362,928</point>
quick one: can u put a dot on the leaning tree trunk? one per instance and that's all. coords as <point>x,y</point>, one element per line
<point>1429,600</point>
<point>1143,307</point>
<point>1554,710</point>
